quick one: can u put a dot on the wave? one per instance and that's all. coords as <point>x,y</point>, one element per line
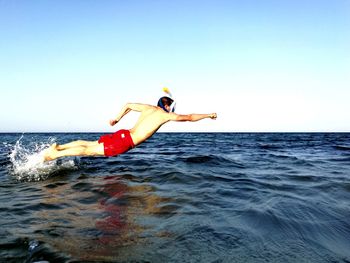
<point>340,159</point>
<point>342,147</point>
<point>289,159</point>
<point>27,162</point>
<point>209,159</point>
<point>265,146</point>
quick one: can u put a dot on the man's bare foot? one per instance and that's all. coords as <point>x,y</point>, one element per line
<point>49,154</point>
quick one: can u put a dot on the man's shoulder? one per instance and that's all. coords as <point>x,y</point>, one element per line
<point>139,106</point>
<point>158,111</point>
<point>148,106</point>
<point>169,116</point>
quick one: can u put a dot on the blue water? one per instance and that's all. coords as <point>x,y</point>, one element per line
<point>199,197</point>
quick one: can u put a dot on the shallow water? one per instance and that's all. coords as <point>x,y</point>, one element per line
<point>208,197</point>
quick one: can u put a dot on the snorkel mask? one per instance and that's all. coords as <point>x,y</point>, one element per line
<point>168,97</point>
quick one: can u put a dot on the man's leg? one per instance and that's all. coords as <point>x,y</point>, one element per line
<point>76,149</point>
<point>75,144</point>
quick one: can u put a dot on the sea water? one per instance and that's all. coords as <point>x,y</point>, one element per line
<point>179,197</point>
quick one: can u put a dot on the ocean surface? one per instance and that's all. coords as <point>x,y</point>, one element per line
<point>197,197</point>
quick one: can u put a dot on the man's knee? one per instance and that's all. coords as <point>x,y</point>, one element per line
<point>95,150</point>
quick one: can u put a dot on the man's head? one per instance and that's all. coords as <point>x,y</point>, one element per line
<point>166,104</point>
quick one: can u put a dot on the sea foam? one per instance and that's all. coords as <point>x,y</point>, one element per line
<point>27,161</point>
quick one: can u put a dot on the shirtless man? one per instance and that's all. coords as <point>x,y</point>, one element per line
<point>151,119</point>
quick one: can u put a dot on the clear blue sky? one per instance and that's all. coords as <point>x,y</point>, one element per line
<point>261,65</point>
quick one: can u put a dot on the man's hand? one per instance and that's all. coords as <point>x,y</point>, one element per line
<point>213,116</point>
<point>112,122</point>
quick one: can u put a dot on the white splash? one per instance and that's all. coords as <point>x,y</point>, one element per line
<point>28,161</point>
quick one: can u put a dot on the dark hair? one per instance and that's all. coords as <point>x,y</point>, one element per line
<point>167,101</point>
<point>164,101</point>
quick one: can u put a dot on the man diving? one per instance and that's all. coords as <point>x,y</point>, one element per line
<point>150,120</point>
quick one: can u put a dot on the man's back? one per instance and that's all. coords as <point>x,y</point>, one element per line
<point>151,119</point>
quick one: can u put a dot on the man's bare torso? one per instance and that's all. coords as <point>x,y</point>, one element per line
<point>148,123</point>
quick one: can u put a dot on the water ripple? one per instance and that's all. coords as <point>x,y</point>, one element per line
<point>180,198</point>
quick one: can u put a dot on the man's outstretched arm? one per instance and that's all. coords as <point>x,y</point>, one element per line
<point>192,117</point>
<point>126,109</point>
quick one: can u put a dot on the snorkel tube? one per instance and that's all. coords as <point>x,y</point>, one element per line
<point>169,97</point>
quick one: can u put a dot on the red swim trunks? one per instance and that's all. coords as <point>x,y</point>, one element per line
<point>116,143</point>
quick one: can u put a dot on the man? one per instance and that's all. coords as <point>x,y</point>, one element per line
<point>150,120</point>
